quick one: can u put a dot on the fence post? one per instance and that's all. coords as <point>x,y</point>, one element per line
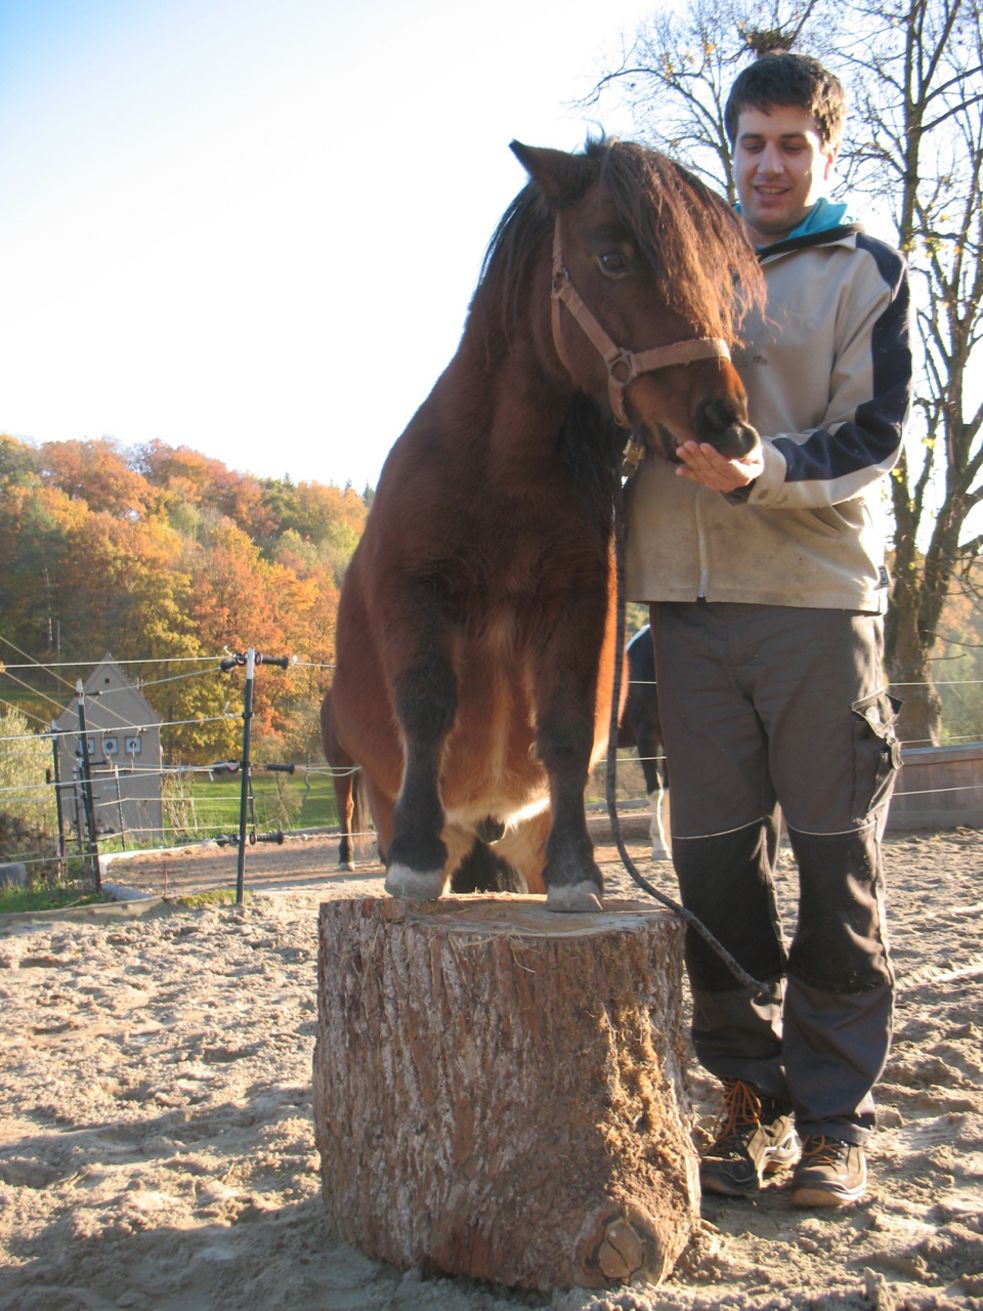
<point>247,715</point>
<point>59,809</point>
<point>79,810</point>
<point>119,806</point>
<point>92,852</point>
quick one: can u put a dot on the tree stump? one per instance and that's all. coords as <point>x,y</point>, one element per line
<point>499,1090</point>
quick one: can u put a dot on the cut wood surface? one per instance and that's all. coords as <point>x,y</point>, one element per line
<point>499,1090</point>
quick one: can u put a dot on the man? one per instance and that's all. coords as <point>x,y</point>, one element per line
<point>767,588</point>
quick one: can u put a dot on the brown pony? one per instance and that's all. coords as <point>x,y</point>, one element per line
<point>475,641</point>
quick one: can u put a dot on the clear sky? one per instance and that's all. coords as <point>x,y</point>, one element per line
<point>253,227</point>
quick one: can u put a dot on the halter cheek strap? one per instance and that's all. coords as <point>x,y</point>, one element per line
<point>623,365</point>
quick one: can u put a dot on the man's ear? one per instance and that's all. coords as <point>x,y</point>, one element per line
<point>830,154</point>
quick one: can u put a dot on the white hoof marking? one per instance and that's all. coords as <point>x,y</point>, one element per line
<point>414,885</point>
<point>574,897</point>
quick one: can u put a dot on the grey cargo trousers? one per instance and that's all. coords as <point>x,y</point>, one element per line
<point>778,706</point>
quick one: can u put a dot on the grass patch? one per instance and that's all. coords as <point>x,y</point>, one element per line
<point>209,807</point>
<point>195,808</point>
<point>58,897</point>
<point>211,897</point>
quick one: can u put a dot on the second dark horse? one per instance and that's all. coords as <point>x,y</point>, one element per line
<point>641,728</point>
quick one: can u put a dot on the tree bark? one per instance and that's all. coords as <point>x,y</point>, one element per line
<point>499,1091</point>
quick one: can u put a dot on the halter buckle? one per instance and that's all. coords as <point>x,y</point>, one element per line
<point>632,456</point>
<point>561,279</point>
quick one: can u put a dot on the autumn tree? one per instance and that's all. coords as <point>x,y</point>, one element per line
<point>97,473</point>
<point>167,558</point>
<point>240,599</point>
<point>197,489</point>
<point>143,608</point>
<point>18,461</point>
<point>331,518</point>
<point>914,154</point>
<point>36,523</point>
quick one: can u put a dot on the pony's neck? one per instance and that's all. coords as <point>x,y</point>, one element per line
<point>518,394</point>
<point>509,406</point>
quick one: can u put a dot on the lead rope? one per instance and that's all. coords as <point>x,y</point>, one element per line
<point>691,920</point>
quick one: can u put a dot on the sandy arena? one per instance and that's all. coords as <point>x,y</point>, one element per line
<point>156,1144</point>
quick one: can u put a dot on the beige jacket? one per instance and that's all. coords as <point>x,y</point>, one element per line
<point>828,376</point>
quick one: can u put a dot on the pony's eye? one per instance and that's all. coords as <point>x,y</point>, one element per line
<point>613,263</point>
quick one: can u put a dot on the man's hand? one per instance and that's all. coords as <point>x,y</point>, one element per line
<point>702,463</point>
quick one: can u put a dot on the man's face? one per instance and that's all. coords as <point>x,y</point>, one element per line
<point>781,168</point>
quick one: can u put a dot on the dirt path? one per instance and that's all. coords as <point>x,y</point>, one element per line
<point>156,1148</point>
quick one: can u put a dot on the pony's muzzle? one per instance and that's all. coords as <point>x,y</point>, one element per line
<point>721,422</point>
<point>739,440</point>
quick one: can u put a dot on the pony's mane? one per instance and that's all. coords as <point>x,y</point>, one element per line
<point>687,233</point>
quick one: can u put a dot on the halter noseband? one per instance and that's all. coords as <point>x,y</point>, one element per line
<point>623,365</point>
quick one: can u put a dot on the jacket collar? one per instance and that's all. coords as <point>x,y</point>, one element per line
<point>839,236</point>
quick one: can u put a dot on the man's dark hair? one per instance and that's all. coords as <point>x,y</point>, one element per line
<point>788,79</point>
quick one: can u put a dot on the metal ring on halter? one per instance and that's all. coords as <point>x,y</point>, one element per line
<point>623,360</point>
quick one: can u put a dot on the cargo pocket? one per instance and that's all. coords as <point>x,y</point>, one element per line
<point>877,754</point>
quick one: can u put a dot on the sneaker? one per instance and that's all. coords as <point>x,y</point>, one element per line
<point>754,1135</point>
<point>830,1173</point>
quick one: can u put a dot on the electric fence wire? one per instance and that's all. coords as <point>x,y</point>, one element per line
<point>102,773</point>
<point>233,714</point>
<point>19,710</point>
<point>27,791</point>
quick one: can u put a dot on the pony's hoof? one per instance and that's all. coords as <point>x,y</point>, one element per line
<point>347,866</point>
<point>413,884</point>
<point>577,897</point>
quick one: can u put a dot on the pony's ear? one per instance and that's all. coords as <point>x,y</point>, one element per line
<point>560,177</point>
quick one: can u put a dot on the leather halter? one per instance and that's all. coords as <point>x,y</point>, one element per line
<point>623,365</point>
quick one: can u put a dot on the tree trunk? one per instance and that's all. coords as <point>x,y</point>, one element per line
<point>499,1091</point>
<point>920,721</point>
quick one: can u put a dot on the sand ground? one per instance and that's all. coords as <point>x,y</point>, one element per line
<point>156,1144</point>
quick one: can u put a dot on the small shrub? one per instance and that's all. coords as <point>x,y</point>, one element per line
<point>27,803</point>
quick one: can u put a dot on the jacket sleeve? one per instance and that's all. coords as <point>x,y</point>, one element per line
<point>859,439</point>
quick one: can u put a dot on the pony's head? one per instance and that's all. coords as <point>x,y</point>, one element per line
<point>651,276</point>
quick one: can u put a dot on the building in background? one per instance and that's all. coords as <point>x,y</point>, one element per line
<point>123,732</point>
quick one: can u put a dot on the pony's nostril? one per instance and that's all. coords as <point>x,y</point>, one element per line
<point>737,441</point>
<point>716,415</point>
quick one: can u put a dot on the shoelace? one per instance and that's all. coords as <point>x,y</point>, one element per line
<point>742,1106</point>
<point>823,1151</point>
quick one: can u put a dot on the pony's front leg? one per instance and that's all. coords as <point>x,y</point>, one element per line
<point>566,740</point>
<point>426,703</point>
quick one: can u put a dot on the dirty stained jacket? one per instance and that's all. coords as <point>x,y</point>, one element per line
<point>827,368</point>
